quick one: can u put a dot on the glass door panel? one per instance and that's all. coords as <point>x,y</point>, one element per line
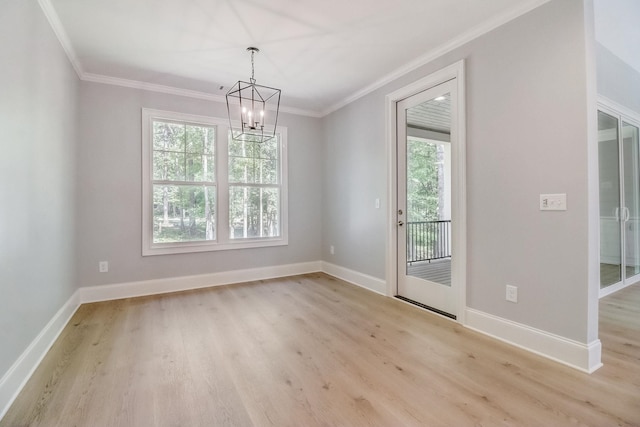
<point>428,189</point>
<point>610,212</point>
<point>426,147</point>
<point>631,210</point>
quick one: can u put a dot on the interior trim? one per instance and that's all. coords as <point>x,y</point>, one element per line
<point>443,49</point>
<point>584,357</point>
<point>455,43</point>
<point>362,280</point>
<point>19,373</point>
<point>171,90</point>
<point>17,376</point>
<point>458,203</point>
<point>185,283</point>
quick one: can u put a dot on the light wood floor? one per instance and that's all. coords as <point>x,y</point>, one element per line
<point>312,350</point>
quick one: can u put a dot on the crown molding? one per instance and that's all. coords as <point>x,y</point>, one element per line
<point>61,34</point>
<point>470,35</point>
<point>439,51</point>
<point>63,38</point>
<point>172,90</point>
<point>153,87</point>
<point>301,111</point>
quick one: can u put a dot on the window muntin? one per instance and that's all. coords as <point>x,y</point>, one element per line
<point>254,163</point>
<point>183,213</point>
<point>254,189</point>
<point>253,212</point>
<point>184,187</point>
<point>204,191</point>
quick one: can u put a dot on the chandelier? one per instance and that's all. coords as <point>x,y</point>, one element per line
<point>255,107</point>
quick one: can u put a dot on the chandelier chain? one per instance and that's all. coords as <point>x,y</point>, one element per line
<point>253,80</point>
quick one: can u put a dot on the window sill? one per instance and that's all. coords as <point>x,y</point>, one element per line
<point>191,247</point>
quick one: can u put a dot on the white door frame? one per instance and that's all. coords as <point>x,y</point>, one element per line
<point>459,206</point>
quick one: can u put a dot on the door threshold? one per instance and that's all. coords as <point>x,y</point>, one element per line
<point>426,307</point>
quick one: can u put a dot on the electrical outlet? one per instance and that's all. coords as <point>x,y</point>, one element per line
<point>377,203</point>
<point>332,250</point>
<point>103,266</point>
<point>512,293</point>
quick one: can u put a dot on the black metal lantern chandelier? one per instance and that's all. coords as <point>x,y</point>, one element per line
<point>253,106</point>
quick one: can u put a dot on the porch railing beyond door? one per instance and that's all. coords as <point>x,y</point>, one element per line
<point>428,240</point>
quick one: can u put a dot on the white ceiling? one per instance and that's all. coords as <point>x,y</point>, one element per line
<point>321,53</point>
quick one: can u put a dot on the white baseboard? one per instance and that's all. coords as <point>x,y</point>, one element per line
<point>184,283</point>
<point>355,277</point>
<point>584,357</point>
<point>17,376</point>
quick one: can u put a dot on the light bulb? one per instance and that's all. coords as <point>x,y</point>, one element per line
<point>243,114</point>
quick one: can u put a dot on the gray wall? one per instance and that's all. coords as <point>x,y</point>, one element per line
<point>38,97</point>
<point>617,80</point>
<point>527,127</point>
<point>110,191</point>
<point>527,133</point>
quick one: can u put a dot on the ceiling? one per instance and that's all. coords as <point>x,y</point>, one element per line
<point>322,54</point>
<point>433,115</point>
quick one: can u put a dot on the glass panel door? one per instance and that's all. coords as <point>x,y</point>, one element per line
<point>426,158</point>
<point>610,212</point>
<point>631,210</point>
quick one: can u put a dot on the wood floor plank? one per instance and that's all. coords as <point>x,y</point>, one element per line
<point>313,350</point>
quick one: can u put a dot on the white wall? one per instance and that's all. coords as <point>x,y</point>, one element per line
<point>110,191</point>
<point>38,99</point>
<point>527,132</point>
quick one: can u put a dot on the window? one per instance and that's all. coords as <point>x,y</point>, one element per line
<point>203,191</point>
<point>254,189</point>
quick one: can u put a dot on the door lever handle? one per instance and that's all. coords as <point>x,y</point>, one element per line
<point>400,223</point>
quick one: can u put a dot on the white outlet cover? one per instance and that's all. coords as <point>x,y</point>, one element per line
<point>103,266</point>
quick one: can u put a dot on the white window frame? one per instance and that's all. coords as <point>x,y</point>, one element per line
<point>223,240</point>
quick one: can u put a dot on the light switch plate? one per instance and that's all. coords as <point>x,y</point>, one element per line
<point>553,202</point>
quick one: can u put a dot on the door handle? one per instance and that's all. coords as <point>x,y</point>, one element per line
<point>400,223</point>
<point>625,211</point>
<point>617,214</point>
